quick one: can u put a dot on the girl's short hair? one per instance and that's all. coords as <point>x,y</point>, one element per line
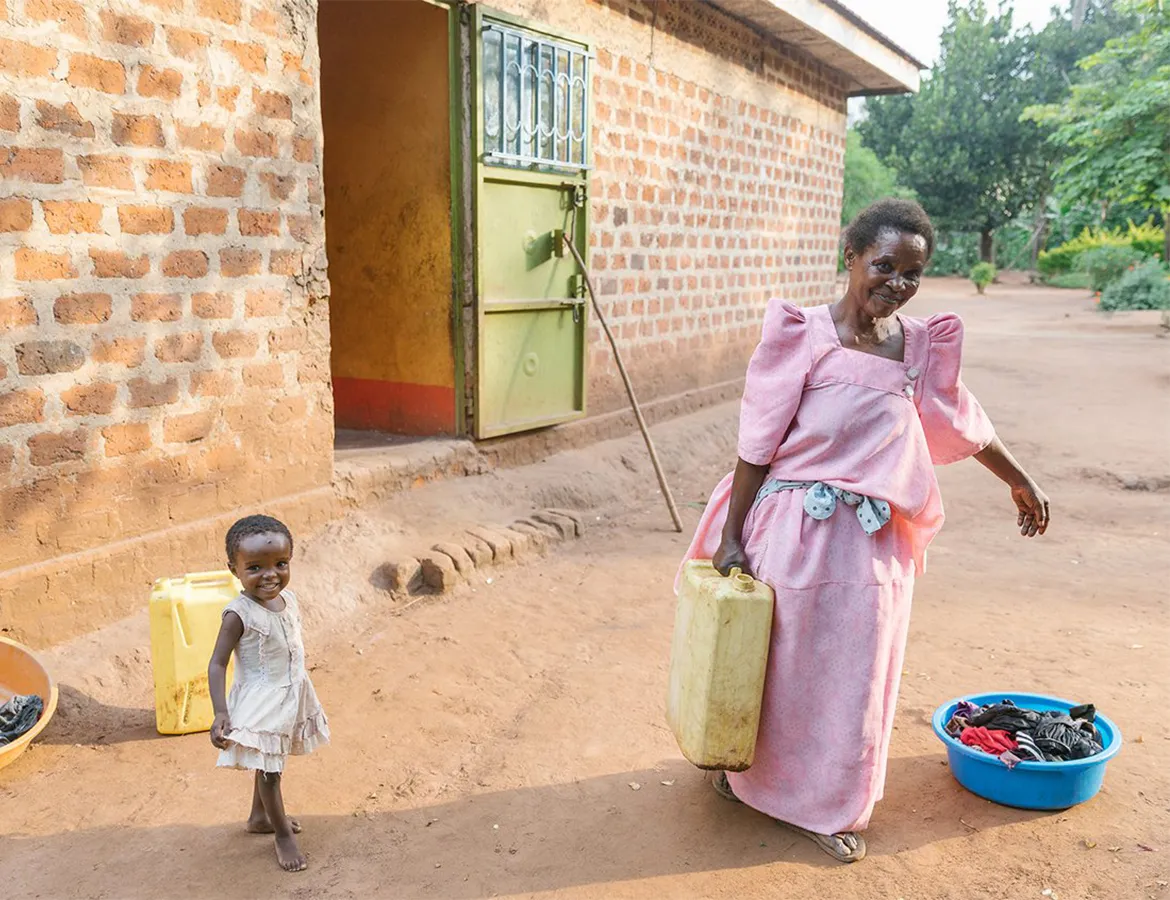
<point>250,525</point>
<point>905,216</point>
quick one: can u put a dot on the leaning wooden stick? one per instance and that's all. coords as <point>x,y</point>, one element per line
<point>678,526</point>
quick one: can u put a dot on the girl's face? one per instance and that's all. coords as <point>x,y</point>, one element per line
<point>885,275</point>
<point>262,564</point>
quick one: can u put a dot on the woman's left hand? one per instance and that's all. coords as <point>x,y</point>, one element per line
<point>1032,504</point>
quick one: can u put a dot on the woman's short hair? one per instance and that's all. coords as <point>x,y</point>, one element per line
<point>904,216</point>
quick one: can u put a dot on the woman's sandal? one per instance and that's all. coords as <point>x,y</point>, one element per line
<point>836,845</point>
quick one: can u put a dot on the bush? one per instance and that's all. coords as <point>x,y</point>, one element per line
<point>1146,238</point>
<point>1105,264</point>
<point>1145,287</point>
<point>982,274</point>
<point>1071,280</point>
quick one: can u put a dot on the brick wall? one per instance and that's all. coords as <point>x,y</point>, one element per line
<point>163,338</point>
<point>719,158</point>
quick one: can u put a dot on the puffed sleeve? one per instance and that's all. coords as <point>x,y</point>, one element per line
<point>775,382</point>
<point>955,424</point>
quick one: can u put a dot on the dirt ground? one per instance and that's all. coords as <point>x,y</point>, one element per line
<point>487,744</point>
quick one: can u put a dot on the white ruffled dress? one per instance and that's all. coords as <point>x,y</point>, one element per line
<point>273,708</point>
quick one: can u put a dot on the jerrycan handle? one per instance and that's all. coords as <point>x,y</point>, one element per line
<point>742,582</point>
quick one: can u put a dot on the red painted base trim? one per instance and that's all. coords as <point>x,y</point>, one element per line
<point>394,407</point>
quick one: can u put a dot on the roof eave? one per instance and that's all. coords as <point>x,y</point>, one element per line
<point>836,36</point>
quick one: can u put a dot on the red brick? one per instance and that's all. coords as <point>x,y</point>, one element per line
<point>40,265</point>
<point>205,220</point>
<point>301,228</point>
<point>103,75</point>
<point>166,175</point>
<point>116,264</point>
<point>187,429</point>
<point>285,262</point>
<point>90,399</point>
<point>7,455</point>
<point>68,15</point>
<point>187,44</point>
<point>235,344</point>
<point>315,191</point>
<point>17,312</point>
<point>185,264</point>
<point>285,340</point>
<point>165,84</point>
<point>69,217</point>
<point>50,449</point>
<point>236,263</point>
<point>251,57</point>
<point>227,97</point>
<point>9,113</point>
<point>65,119</point>
<point>272,104</point>
<point>138,131</point>
<point>23,59</point>
<point>256,143</point>
<point>41,166</point>
<point>121,351</point>
<point>265,20</point>
<point>212,384</point>
<point>146,219</point>
<point>207,138</point>
<point>83,309</point>
<point>304,149</point>
<point>295,65</point>
<point>146,393</point>
<point>21,407</point>
<point>259,303</point>
<point>106,171</point>
<point>156,307</point>
<point>16,214</point>
<point>225,181</point>
<point>48,357</point>
<point>258,223</point>
<point>121,440</point>
<point>213,306</point>
<point>227,11</point>
<point>179,348</point>
<point>280,187</point>
<point>264,375</point>
<point>131,31</point>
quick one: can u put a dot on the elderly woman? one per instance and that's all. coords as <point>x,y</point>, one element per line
<point>846,410</point>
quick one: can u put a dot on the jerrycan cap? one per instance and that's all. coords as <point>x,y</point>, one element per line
<point>742,582</point>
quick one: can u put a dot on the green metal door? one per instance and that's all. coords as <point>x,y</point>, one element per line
<point>531,100</point>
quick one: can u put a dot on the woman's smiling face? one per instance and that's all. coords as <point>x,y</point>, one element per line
<point>885,275</point>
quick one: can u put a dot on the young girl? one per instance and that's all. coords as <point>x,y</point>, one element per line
<point>273,710</point>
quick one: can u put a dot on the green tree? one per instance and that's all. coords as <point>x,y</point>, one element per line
<point>1114,127</point>
<point>867,178</point>
<point>961,144</point>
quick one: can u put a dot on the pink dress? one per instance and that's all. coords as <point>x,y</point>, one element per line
<point>815,411</point>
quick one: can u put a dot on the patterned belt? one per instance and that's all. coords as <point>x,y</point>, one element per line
<point>821,501</point>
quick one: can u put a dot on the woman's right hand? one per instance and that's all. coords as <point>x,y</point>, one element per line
<point>730,555</point>
<point>220,727</point>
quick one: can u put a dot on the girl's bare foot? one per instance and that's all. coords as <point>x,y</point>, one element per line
<point>289,855</point>
<point>261,825</point>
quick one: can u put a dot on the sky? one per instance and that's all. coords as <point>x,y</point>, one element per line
<point>918,32</point>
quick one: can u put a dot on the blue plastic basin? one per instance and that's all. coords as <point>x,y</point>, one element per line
<point>1030,785</point>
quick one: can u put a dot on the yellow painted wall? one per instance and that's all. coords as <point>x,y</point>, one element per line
<point>385,108</point>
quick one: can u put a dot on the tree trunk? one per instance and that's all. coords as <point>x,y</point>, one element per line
<point>987,245</point>
<point>1166,229</point>
<point>1078,13</point>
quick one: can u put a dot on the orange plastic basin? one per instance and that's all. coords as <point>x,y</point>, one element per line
<point>22,673</point>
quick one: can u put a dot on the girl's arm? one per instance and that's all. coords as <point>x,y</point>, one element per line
<point>230,633</point>
<point>1031,502</point>
<point>745,485</point>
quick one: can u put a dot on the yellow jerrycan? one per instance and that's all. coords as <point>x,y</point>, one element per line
<point>185,614</point>
<point>718,661</point>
